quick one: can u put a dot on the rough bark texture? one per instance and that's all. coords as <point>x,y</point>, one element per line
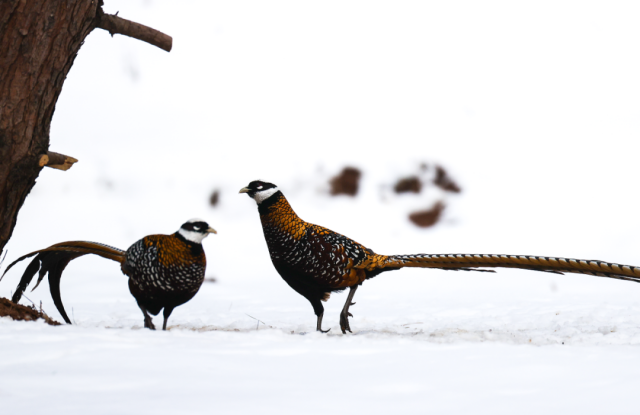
<point>39,40</point>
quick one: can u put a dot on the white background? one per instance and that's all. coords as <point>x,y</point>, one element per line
<point>532,108</point>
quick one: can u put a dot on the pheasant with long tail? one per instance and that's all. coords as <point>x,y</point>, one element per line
<point>316,261</point>
<point>164,271</point>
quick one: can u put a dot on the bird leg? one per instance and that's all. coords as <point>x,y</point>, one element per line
<point>148,323</point>
<point>167,312</point>
<point>319,325</point>
<point>345,314</point>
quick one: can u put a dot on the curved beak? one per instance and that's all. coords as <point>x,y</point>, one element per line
<point>211,230</point>
<point>244,190</point>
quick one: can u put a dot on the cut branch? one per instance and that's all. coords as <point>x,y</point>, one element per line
<point>57,161</point>
<point>114,24</point>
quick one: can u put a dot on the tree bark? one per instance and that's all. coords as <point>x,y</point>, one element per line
<point>39,40</point>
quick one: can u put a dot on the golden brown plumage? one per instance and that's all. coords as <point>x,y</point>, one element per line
<point>164,271</point>
<point>316,261</point>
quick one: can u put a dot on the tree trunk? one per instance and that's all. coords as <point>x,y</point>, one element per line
<point>39,40</point>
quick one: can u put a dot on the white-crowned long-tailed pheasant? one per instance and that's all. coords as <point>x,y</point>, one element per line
<point>164,271</point>
<point>316,261</point>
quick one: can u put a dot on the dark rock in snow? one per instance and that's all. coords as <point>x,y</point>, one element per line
<point>429,217</point>
<point>214,198</point>
<point>408,184</point>
<point>346,183</point>
<point>443,181</point>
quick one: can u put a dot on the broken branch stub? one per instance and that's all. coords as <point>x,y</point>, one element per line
<point>57,161</point>
<point>114,24</point>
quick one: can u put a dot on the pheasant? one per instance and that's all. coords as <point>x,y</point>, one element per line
<point>164,271</point>
<point>316,261</point>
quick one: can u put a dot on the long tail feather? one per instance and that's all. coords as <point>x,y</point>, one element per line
<point>53,261</point>
<point>534,263</point>
<point>31,270</point>
<point>58,263</point>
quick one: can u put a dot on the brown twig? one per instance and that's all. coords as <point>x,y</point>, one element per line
<point>57,161</point>
<point>114,24</point>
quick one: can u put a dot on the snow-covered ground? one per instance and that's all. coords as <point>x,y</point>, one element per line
<point>533,109</point>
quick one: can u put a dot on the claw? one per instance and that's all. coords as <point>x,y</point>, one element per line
<point>148,324</point>
<point>345,314</point>
<point>319,324</point>
<point>344,322</point>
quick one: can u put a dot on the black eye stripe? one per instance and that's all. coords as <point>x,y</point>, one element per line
<point>195,226</point>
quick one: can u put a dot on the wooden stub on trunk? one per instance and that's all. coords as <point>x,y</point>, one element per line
<point>57,161</point>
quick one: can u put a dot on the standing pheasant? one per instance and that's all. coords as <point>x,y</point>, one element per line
<point>164,271</point>
<point>316,261</point>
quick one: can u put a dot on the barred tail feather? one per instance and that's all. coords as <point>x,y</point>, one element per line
<point>53,261</point>
<point>534,263</point>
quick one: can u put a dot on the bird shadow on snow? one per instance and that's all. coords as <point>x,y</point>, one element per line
<point>570,335</point>
<point>583,332</point>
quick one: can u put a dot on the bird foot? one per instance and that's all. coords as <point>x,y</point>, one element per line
<point>148,324</point>
<point>344,322</point>
<point>319,324</point>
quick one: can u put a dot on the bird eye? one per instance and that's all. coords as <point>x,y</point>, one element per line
<point>259,187</point>
<point>196,228</point>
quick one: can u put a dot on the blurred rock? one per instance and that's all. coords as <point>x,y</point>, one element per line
<point>408,184</point>
<point>346,183</point>
<point>214,198</point>
<point>443,181</point>
<point>426,218</point>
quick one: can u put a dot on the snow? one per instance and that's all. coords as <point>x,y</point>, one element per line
<point>533,110</point>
